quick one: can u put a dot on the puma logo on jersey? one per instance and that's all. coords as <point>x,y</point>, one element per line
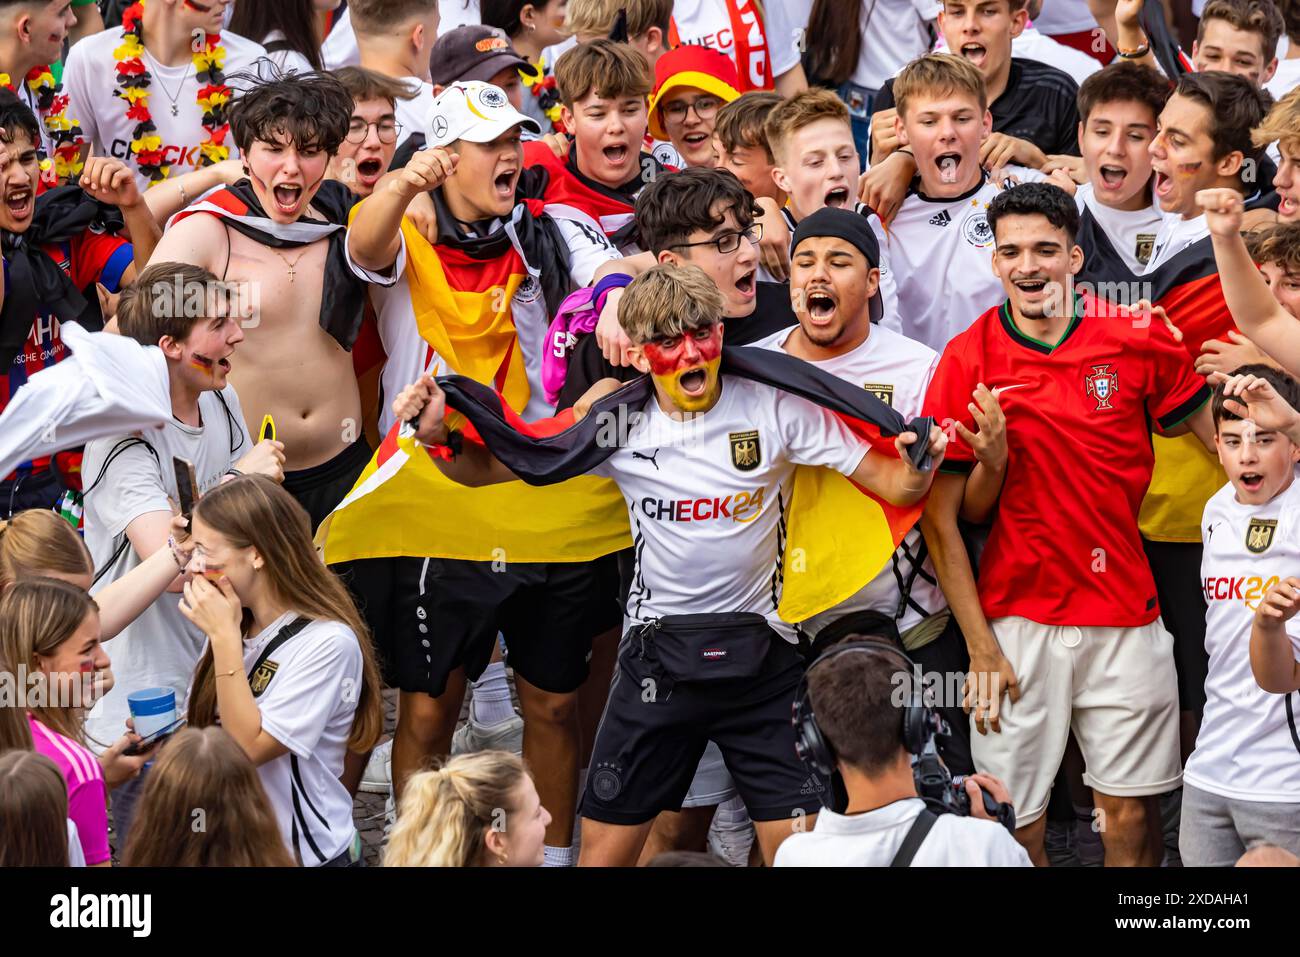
<point>941,218</point>
<point>648,458</point>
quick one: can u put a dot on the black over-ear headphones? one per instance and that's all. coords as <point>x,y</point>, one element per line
<point>920,722</point>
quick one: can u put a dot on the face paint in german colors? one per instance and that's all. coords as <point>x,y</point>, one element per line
<point>687,371</point>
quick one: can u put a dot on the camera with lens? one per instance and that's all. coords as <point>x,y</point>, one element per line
<point>947,794</point>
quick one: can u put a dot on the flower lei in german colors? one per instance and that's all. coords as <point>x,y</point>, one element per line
<point>64,133</point>
<point>133,86</point>
<point>542,85</point>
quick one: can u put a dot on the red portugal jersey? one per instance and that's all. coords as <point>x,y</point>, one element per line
<point>1064,548</point>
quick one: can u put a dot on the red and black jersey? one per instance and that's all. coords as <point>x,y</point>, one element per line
<point>1064,548</point>
<point>87,258</point>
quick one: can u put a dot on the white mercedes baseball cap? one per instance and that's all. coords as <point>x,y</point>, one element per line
<point>475,111</point>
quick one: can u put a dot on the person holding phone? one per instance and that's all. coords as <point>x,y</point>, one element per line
<point>289,671</point>
<point>130,480</point>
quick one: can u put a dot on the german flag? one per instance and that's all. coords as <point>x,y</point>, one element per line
<point>839,533</point>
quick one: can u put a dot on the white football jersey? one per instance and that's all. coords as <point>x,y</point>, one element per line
<point>707,498</point>
<point>898,371</point>
<point>1175,235</point>
<point>941,259</point>
<point>1248,747</point>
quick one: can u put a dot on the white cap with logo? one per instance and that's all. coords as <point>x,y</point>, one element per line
<point>475,111</point>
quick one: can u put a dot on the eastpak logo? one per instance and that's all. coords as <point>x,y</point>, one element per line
<point>941,218</point>
<point>713,654</point>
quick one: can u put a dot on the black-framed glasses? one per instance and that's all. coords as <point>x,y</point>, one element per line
<point>387,130</point>
<point>705,107</point>
<point>728,243</point>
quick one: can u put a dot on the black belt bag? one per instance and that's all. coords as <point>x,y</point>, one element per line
<point>710,647</point>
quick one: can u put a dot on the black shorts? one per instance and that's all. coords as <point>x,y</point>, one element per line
<point>1176,567</point>
<point>430,616</point>
<point>650,743</point>
<point>320,488</point>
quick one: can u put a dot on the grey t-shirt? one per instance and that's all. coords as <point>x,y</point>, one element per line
<point>160,648</point>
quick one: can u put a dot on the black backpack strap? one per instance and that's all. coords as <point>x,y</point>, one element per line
<point>284,634</point>
<point>916,836</point>
<point>119,448</point>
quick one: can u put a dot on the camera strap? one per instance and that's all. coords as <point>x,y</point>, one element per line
<point>916,836</point>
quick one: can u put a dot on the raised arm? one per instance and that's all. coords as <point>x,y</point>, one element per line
<point>896,480</point>
<point>473,465</point>
<point>1252,305</point>
<point>374,236</point>
<point>169,197</point>
<point>1272,656</point>
<point>111,181</point>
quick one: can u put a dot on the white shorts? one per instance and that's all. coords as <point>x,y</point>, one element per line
<point>1116,688</point>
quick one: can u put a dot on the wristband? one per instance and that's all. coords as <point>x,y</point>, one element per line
<point>907,150</point>
<point>185,200</point>
<point>227,674</point>
<point>1137,54</point>
<point>600,292</point>
<point>455,442</point>
<point>176,553</point>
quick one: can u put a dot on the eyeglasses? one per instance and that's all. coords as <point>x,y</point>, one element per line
<point>728,243</point>
<point>706,107</point>
<point>387,130</point>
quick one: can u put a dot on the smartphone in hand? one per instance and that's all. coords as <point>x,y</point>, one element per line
<point>187,485</point>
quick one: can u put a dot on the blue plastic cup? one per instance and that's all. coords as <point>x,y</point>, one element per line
<point>152,709</point>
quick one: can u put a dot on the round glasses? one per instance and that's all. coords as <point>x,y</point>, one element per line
<point>387,130</point>
<point>705,107</point>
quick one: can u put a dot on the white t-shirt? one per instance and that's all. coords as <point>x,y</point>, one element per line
<point>308,707</point>
<point>413,114</point>
<point>1131,232</point>
<point>289,61</point>
<point>708,23</point>
<point>1246,748</point>
<point>1175,235</point>
<point>159,648</point>
<point>409,355</point>
<point>897,370</point>
<point>941,254</point>
<point>687,496</point>
<point>1286,79</point>
<point>894,33</point>
<point>340,47</point>
<point>89,78</point>
<point>872,840</point>
<point>1064,16</point>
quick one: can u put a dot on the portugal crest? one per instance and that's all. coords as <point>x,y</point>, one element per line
<point>1259,534</point>
<point>1102,386</point>
<point>746,453</point>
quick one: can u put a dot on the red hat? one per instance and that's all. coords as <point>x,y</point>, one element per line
<point>692,65</point>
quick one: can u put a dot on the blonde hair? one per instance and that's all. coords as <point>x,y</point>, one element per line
<point>611,70</point>
<point>597,16</point>
<point>668,301</point>
<point>1281,123</point>
<point>36,542</point>
<point>446,813</point>
<point>938,74</point>
<point>255,512</point>
<point>802,109</point>
<point>36,616</point>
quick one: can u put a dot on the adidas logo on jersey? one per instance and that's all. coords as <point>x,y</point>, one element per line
<point>941,218</point>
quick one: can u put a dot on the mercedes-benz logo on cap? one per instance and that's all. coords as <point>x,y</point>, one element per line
<point>439,126</point>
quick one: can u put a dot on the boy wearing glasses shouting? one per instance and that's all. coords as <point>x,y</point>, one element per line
<point>367,150</point>
<point>691,84</point>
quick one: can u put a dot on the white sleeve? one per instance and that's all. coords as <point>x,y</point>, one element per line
<point>308,687</point>
<point>782,37</point>
<point>589,249</point>
<point>76,86</point>
<point>379,279</point>
<point>813,435</point>
<point>130,486</point>
<point>927,9</point>
<point>1004,851</point>
<point>888,288</point>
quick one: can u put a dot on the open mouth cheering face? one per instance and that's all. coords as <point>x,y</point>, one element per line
<point>685,367</point>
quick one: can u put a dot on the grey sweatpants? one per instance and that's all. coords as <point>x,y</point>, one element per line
<point>1215,830</point>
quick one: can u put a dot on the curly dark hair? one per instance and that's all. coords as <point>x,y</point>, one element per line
<point>311,108</point>
<point>672,207</point>
<point>1051,202</point>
